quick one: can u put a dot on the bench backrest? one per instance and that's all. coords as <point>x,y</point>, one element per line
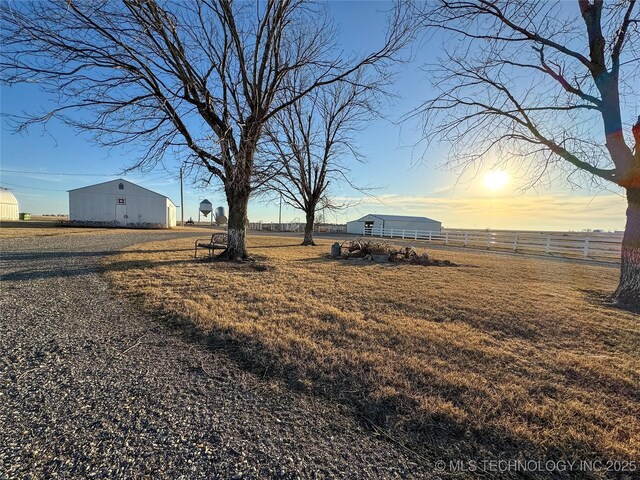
<point>219,239</point>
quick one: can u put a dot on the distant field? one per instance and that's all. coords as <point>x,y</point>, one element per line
<point>49,218</point>
<point>509,357</point>
<point>597,246</point>
<point>42,229</point>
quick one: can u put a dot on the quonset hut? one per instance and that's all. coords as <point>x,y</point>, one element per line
<point>121,203</point>
<point>8,205</point>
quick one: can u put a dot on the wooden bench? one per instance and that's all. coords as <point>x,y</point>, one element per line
<point>218,240</point>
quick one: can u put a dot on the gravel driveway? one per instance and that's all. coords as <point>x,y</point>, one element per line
<point>91,387</point>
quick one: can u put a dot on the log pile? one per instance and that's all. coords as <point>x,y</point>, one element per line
<point>410,255</point>
<point>361,248</point>
<point>364,249</point>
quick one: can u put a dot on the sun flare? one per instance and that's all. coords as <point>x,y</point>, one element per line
<point>496,179</point>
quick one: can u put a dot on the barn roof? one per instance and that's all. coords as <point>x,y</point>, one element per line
<point>6,197</point>
<point>403,218</point>
<point>122,180</point>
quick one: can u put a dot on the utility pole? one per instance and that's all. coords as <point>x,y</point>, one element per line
<point>181,198</point>
<point>280,215</point>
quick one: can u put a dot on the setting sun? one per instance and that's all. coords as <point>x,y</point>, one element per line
<point>495,180</point>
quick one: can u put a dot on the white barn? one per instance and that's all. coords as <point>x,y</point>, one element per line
<point>8,205</point>
<point>122,204</point>
<point>395,222</point>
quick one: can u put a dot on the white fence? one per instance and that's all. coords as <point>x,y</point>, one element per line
<point>297,227</point>
<point>590,245</point>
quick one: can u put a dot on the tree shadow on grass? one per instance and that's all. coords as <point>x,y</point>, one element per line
<point>48,256</point>
<point>54,271</point>
<point>257,263</point>
<point>361,262</point>
<point>268,247</point>
<point>430,437</point>
<point>605,299</point>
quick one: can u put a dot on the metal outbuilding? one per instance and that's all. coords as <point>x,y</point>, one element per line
<point>121,203</point>
<point>8,205</point>
<point>396,222</point>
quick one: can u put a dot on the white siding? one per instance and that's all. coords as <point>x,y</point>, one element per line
<point>408,225</point>
<point>132,204</point>
<point>397,223</point>
<point>8,211</point>
<point>171,213</point>
<point>357,226</point>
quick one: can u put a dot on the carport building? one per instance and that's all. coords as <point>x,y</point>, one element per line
<point>376,222</point>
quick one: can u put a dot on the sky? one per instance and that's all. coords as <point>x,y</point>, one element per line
<point>407,179</point>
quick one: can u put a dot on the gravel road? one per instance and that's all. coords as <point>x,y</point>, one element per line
<point>92,388</point>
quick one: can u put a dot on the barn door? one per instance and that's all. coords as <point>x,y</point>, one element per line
<point>121,214</point>
<point>368,228</point>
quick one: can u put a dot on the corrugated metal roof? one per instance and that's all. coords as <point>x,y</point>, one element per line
<point>403,218</point>
<point>7,197</point>
<point>120,180</point>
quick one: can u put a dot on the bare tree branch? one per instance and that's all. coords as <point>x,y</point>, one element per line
<point>514,86</point>
<point>195,78</point>
<point>312,139</point>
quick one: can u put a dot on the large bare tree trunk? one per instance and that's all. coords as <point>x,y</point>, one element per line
<point>628,292</point>
<point>238,199</point>
<point>308,229</point>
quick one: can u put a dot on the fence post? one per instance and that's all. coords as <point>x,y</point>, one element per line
<point>515,243</point>
<point>429,235</point>
<point>548,247</point>
<point>586,247</point>
<point>403,233</point>
<point>446,238</point>
<point>415,234</point>
<point>391,233</point>
<point>488,239</point>
<point>466,239</point>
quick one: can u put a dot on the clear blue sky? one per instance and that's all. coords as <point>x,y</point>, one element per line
<point>410,183</point>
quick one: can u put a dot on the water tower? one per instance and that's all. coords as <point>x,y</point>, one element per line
<point>205,208</point>
<point>220,216</point>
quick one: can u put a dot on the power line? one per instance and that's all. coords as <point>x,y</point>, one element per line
<point>33,188</point>
<point>167,176</point>
<point>164,177</point>
<point>60,173</point>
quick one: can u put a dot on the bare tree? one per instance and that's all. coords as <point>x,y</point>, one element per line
<point>549,86</point>
<point>311,140</point>
<point>196,76</point>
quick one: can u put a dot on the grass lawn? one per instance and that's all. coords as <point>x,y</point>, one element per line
<point>504,356</point>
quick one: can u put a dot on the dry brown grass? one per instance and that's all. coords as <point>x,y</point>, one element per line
<point>52,229</point>
<point>504,356</point>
